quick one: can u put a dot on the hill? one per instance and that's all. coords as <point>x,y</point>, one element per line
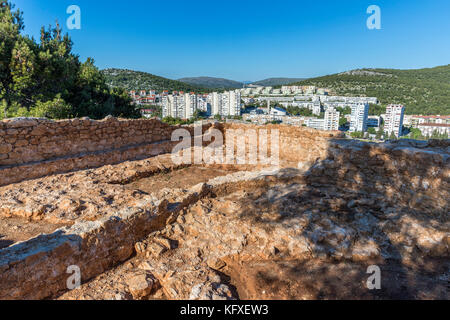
<point>212,83</point>
<point>422,91</point>
<point>136,80</point>
<point>271,82</point>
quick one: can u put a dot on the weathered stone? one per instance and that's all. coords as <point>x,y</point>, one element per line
<point>141,285</point>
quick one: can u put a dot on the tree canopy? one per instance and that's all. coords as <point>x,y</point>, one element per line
<point>46,79</point>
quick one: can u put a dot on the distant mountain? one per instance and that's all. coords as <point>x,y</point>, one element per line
<point>421,91</point>
<point>271,82</point>
<point>136,80</point>
<point>212,83</point>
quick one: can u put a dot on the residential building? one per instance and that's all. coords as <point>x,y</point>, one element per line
<point>331,122</point>
<point>394,119</point>
<point>314,123</point>
<point>360,113</point>
<point>276,111</point>
<point>316,108</point>
<point>190,105</point>
<point>216,103</point>
<point>373,121</point>
<point>428,129</point>
<point>226,104</point>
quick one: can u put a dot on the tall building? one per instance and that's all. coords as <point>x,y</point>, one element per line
<point>331,120</point>
<point>358,121</point>
<point>316,108</point>
<point>179,106</point>
<point>190,105</point>
<point>394,119</point>
<point>216,103</point>
<point>226,104</point>
<point>234,108</point>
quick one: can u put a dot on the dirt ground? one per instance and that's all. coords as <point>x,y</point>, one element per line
<point>183,178</point>
<point>318,279</point>
<point>14,230</point>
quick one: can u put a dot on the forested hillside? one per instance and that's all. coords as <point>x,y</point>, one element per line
<point>137,80</point>
<point>422,91</point>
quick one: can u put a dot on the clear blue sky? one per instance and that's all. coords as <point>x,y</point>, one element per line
<point>251,40</point>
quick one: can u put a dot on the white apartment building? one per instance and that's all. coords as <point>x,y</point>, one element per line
<point>316,108</point>
<point>428,129</point>
<point>358,120</point>
<point>317,124</point>
<point>216,103</point>
<point>226,104</point>
<point>331,120</point>
<point>179,106</point>
<point>190,105</point>
<point>394,119</point>
<point>234,108</point>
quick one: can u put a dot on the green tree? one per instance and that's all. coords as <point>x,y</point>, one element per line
<point>37,79</point>
<point>380,133</point>
<point>392,136</point>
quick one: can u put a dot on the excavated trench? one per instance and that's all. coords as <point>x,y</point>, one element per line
<point>270,235</point>
<point>240,232</point>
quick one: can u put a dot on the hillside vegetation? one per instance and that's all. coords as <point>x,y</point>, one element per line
<point>422,91</point>
<point>137,80</point>
<point>277,81</point>
<point>212,83</point>
<point>46,79</point>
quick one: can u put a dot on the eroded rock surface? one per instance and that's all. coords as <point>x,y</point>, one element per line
<point>308,229</point>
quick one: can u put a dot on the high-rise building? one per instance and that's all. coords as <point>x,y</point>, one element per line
<point>178,106</point>
<point>216,103</point>
<point>234,108</point>
<point>226,104</point>
<point>394,119</point>
<point>316,108</point>
<point>331,120</point>
<point>190,105</point>
<point>358,121</point>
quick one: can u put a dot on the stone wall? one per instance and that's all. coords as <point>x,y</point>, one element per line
<point>416,174</point>
<point>413,174</point>
<point>296,144</point>
<point>37,269</point>
<point>32,148</point>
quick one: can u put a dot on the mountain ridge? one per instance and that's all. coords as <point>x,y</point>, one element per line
<point>423,91</point>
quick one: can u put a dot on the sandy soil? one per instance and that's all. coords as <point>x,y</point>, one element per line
<point>14,230</point>
<point>183,178</point>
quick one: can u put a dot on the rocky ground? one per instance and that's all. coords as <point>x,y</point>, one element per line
<point>271,236</point>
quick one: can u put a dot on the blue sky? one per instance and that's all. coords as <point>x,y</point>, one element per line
<point>251,40</point>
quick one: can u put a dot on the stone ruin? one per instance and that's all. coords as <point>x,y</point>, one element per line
<point>106,197</point>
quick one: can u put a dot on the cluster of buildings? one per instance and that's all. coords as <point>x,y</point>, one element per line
<point>179,104</point>
<point>184,105</point>
<point>316,103</point>
<point>254,90</point>
<point>428,125</point>
<point>228,104</point>
<point>269,114</point>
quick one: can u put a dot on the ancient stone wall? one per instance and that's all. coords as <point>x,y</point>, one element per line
<point>412,173</point>
<point>296,144</point>
<point>415,174</point>
<point>32,148</point>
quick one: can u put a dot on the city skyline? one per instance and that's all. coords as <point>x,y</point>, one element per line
<point>258,40</point>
